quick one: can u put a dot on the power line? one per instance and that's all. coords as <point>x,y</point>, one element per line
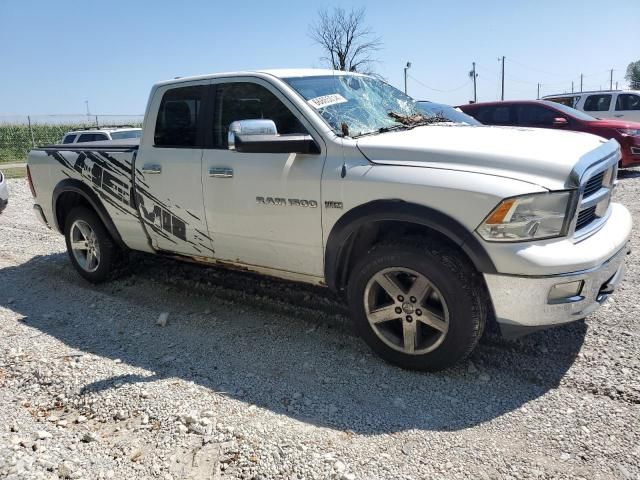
<point>437,89</point>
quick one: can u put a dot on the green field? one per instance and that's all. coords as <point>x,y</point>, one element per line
<point>16,139</point>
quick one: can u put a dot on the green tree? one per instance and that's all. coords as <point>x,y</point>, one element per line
<point>633,75</point>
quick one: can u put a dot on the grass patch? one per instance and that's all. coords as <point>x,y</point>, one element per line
<point>14,172</point>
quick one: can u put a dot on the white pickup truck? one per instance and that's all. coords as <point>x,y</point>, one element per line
<point>431,229</point>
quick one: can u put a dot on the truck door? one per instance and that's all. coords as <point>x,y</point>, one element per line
<point>168,170</point>
<point>262,209</point>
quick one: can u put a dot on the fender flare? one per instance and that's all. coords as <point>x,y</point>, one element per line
<point>398,210</point>
<point>82,189</point>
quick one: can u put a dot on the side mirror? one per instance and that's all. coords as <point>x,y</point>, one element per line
<point>293,143</point>
<point>250,127</point>
<point>560,122</point>
<point>261,136</point>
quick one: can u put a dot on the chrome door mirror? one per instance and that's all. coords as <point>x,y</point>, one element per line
<point>257,126</point>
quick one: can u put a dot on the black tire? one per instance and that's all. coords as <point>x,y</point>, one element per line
<point>108,251</point>
<point>458,290</point>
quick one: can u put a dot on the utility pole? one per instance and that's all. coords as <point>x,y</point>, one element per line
<point>538,91</point>
<point>86,102</point>
<point>571,86</point>
<point>474,75</point>
<point>502,95</point>
<point>611,80</point>
<point>581,77</point>
<point>616,85</point>
<point>405,76</point>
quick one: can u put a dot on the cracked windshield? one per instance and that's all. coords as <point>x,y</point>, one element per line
<point>355,105</point>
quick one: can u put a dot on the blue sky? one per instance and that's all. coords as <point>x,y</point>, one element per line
<point>57,54</point>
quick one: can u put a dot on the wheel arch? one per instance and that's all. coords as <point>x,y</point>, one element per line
<point>71,192</point>
<point>363,222</point>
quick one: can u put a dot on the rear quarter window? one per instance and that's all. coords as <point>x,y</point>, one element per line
<point>69,138</point>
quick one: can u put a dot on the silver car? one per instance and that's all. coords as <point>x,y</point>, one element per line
<point>4,193</point>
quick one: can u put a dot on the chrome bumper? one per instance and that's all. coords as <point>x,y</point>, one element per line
<point>522,304</point>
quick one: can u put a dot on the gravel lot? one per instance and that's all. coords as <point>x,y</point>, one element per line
<point>260,379</point>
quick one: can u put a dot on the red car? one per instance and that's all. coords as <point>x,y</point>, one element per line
<point>544,114</point>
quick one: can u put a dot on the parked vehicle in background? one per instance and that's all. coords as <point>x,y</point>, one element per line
<point>97,134</point>
<point>614,104</point>
<point>4,192</point>
<point>452,114</point>
<point>337,179</point>
<point>546,114</point>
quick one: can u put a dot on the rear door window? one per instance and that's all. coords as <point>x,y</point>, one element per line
<point>597,103</point>
<point>535,116</point>
<point>493,115</point>
<point>92,137</point>
<point>628,101</point>
<point>179,117</point>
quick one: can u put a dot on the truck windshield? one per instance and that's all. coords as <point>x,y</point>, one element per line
<point>357,105</point>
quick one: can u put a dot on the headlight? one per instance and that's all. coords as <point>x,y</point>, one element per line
<point>529,217</point>
<point>632,132</point>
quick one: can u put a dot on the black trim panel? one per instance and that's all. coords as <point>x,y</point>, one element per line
<point>398,210</point>
<point>77,186</point>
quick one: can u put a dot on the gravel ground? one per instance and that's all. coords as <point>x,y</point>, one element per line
<point>260,379</point>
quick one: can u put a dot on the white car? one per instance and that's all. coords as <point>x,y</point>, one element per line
<point>614,104</point>
<point>98,134</point>
<point>4,192</point>
<point>430,230</point>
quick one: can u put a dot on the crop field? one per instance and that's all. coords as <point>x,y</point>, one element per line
<point>17,139</point>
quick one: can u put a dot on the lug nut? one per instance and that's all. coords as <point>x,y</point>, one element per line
<point>398,310</point>
<point>409,318</point>
<point>413,299</point>
<point>400,298</point>
<point>418,312</point>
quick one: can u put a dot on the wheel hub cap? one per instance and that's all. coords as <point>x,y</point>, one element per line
<point>406,310</point>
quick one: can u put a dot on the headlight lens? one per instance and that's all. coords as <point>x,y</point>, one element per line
<point>632,132</point>
<point>529,217</point>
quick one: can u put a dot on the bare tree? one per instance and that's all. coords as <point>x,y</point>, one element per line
<point>347,43</point>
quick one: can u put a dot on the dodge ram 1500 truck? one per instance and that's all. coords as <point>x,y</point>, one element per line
<point>430,228</point>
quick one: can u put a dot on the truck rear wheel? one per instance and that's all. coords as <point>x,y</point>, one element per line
<point>90,247</point>
<point>418,305</point>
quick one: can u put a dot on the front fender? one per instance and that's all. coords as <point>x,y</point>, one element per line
<point>399,210</point>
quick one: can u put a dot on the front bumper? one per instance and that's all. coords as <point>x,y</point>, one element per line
<point>522,304</point>
<point>523,296</point>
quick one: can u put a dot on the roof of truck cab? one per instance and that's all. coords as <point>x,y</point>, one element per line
<point>277,72</point>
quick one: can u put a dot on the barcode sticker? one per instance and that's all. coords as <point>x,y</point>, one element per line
<point>326,100</point>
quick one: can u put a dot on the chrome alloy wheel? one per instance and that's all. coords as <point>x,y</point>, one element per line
<point>85,246</point>
<point>406,311</point>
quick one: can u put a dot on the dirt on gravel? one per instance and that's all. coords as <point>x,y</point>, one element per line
<point>178,371</point>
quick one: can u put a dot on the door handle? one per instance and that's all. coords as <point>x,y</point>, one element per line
<point>619,115</point>
<point>149,168</point>
<point>221,172</point>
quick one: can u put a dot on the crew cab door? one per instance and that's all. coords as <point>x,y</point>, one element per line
<point>262,209</point>
<point>628,107</point>
<point>169,167</point>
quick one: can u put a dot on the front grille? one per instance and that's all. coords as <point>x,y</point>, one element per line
<point>594,184</point>
<point>595,202</point>
<point>585,217</point>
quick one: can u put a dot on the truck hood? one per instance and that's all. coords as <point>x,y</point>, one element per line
<point>539,156</point>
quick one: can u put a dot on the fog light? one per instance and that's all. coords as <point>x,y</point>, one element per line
<point>566,292</point>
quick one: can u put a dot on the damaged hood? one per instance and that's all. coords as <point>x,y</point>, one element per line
<point>539,156</point>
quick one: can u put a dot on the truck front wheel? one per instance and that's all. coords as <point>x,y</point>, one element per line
<point>90,247</point>
<point>417,304</point>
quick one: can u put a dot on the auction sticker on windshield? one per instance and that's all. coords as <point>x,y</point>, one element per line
<point>326,100</point>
